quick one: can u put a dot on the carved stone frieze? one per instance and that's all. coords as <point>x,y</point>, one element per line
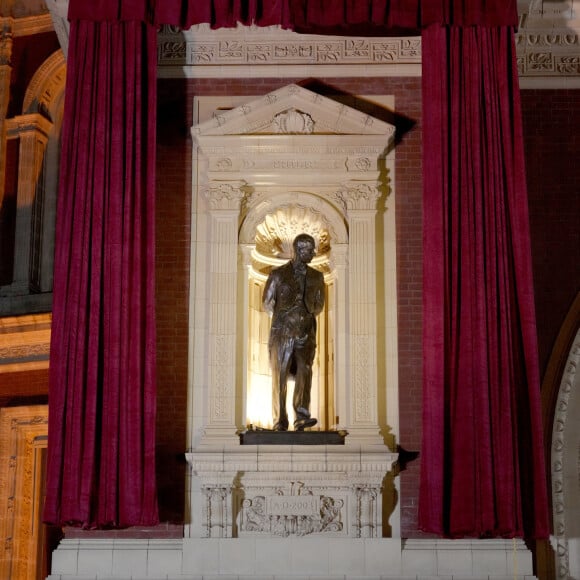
<point>201,46</point>
<point>548,40</point>
<point>292,515</point>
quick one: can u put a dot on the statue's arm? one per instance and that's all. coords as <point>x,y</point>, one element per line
<point>269,295</point>
<point>318,295</point>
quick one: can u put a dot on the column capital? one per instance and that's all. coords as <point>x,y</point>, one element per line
<point>31,123</point>
<point>225,195</point>
<point>359,195</point>
<point>6,41</point>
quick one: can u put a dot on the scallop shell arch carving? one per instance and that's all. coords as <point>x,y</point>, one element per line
<point>293,122</point>
<point>275,234</point>
<point>298,204</point>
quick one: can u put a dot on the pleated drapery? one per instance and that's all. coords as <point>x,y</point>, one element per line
<point>482,466</point>
<point>101,453</point>
<point>482,456</point>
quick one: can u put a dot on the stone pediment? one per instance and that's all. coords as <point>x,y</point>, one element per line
<point>293,110</point>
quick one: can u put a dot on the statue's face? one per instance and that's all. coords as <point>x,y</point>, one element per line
<point>305,252</point>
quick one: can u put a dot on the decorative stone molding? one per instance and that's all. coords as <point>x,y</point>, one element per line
<point>199,50</point>
<point>548,43</point>
<point>24,342</point>
<point>46,89</point>
<point>23,435</point>
<point>26,25</point>
<point>561,446</point>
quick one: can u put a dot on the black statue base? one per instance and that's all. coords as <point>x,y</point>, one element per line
<point>270,437</point>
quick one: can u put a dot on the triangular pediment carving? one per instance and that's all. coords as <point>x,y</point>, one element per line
<point>293,110</point>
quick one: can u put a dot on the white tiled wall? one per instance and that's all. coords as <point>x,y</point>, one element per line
<point>292,559</point>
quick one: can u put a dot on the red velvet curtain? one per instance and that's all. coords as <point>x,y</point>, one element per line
<point>101,453</point>
<point>350,16</point>
<point>482,459</point>
<point>482,470</point>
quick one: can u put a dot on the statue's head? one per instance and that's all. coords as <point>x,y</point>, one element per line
<point>304,245</point>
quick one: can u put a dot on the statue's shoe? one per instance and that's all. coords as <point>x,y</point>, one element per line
<point>280,427</point>
<point>301,424</point>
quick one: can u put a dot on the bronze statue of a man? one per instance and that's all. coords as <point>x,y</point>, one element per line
<point>294,294</point>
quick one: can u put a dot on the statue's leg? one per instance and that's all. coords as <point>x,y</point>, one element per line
<point>280,363</point>
<point>304,357</point>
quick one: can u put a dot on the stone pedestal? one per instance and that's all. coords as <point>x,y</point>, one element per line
<point>288,491</point>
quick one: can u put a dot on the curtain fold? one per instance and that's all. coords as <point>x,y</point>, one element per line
<point>101,453</point>
<point>482,457</point>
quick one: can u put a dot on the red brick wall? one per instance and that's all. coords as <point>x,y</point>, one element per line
<point>552,143</point>
<point>173,199</point>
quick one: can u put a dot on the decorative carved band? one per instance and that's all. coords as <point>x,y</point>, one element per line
<point>200,46</point>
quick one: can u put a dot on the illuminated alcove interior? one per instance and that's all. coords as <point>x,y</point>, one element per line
<point>273,247</point>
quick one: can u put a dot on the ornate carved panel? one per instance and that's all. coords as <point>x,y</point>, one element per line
<point>23,434</point>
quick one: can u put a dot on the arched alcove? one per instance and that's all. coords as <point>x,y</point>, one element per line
<point>266,236</point>
<point>565,461</point>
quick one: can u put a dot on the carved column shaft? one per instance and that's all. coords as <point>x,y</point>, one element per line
<point>360,200</point>
<point>32,131</point>
<point>224,199</point>
<point>339,260</point>
<point>5,75</point>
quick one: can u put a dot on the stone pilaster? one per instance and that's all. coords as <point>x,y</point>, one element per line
<point>360,200</point>
<point>224,199</point>
<point>32,130</point>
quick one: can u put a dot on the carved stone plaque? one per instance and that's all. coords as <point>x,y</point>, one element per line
<point>300,505</point>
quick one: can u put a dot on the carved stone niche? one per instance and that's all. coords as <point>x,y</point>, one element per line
<point>289,162</point>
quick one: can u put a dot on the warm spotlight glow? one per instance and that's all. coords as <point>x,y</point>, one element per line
<point>259,404</point>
